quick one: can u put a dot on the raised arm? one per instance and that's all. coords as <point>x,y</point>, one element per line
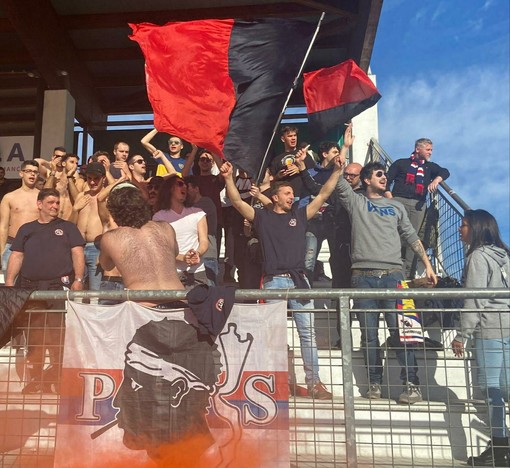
<point>146,141</point>
<point>246,210</point>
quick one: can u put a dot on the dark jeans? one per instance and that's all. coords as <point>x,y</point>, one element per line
<point>369,323</point>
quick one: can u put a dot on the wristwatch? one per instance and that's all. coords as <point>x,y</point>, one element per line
<point>80,280</point>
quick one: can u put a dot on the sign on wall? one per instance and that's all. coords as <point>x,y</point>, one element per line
<point>13,151</point>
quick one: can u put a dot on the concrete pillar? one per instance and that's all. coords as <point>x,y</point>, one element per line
<point>57,121</point>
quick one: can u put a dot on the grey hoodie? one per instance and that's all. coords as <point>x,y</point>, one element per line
<point>483,269</point>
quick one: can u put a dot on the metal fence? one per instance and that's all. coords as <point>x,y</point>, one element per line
<point>442,220</point>
<point>450,424</point>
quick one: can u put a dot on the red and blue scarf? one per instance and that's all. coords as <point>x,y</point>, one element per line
<point>416,174</point>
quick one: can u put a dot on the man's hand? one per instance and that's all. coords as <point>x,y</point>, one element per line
<point>348,137</point>
<point>339,163</point>
<point>157,154</point>
<point>432,188</point>
<point>81,203</point>
<point>77,286</point>
<point>458,348</point>
<point>104,161</point>
<point>226,170</point>
<point>191,257</point>
<point>431,276</point>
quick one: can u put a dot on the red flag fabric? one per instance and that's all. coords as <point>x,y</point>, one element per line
<point>221,84</point>
<point>335,95</point>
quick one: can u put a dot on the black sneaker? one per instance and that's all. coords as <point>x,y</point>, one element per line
<point>319,392</point>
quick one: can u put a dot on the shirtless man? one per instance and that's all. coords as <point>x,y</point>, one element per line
<point>68,184</point>
<point>148,265</point>
<point>54,164</point>
<point>86,217</point>
<point>120,153</point>
<point>17,208</point>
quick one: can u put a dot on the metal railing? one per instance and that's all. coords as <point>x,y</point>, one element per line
<point>448,426</point>
<point>440,229</point>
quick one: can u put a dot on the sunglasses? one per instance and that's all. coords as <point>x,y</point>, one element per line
<point>347,174</point>
<point>205,158</point>
<point>174,142</point>
<point>379,173</point>
<point>139,161</point>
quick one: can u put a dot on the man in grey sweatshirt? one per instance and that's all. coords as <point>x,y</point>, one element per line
<point>378,224</point>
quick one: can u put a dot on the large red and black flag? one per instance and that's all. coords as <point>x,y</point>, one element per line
<point>335,95</point>
<point>222,84</point>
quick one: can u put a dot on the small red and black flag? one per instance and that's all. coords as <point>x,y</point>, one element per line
<point>335,95</point>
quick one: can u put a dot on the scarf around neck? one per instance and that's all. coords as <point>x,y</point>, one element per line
<point>416,174</point>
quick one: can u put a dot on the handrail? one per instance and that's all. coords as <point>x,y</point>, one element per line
<point>250,294</point>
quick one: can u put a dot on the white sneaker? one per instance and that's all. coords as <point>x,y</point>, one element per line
<point>410,395</point>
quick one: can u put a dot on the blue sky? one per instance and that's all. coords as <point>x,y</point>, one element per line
<point>442,69</point>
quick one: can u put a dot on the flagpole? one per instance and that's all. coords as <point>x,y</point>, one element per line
<point>294,84</point>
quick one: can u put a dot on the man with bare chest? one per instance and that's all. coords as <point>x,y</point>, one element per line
<point>17,208</point>
<point>67,182</point>
<point>141,249</point>
<point>86,217</point>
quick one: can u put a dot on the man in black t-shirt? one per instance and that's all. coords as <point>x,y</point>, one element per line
<point>281,233</point>
<point>46,254</point>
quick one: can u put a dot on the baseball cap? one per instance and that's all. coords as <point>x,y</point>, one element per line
<point>95,168</point>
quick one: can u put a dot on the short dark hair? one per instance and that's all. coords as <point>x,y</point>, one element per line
<point>326,146</point>
<point>96,155</point>
<point>47,192</point>
<point>275,186</point>
<point>128,207</point>
<point>59,148</point>
<point>287,129</point>
<point>130,158</point>
<point>67,156</point>
<point>368,170</point>
<point>29,162</point>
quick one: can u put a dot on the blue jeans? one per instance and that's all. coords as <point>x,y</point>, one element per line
<point>91,256</point>
<point>319,229</point>
<point>493,366</point>
<point>369,324</point>
<point>211,270</point>
<point>305,327</point>
<point>110,286</point>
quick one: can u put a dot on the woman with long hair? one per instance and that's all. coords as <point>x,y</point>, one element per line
<point>488,266</point>
<point>190,226</point>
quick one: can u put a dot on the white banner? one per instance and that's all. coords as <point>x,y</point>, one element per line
<point>141,388</point>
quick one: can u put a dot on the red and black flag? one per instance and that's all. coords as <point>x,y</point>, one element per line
<point>222,84</point>
<point>335,95</point>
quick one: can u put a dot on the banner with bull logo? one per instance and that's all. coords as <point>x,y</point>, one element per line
<point>140,387</point>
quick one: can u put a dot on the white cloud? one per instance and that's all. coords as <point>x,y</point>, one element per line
<point>466,114</point>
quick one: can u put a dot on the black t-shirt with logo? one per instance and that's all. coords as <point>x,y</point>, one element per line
<point>282,237</point>
<point>47,248</point>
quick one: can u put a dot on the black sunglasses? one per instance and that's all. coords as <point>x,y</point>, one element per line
<point>379,173</point>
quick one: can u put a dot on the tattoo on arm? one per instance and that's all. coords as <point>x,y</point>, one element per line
<point>418,249</point>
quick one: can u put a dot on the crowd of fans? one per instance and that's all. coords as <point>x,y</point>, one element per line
<point>273,232</point>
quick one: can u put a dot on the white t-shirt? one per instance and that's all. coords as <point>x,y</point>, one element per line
<point>185,225</point>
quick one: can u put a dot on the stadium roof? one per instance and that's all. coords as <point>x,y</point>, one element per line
<point>83,46</point>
